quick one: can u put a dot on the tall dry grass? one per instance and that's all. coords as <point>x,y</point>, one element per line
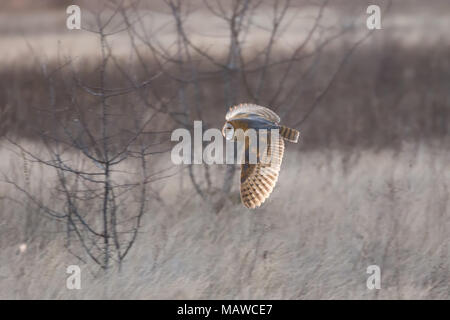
<point>368,184</point>
<point>332,214</point>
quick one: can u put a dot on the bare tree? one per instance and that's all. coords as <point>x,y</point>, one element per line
<point>245,74</point>
<point>124,117</point>
<point>94,137</point>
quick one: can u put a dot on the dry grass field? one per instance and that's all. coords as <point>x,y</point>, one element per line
<point>331,216</point>
<point>368,184</point>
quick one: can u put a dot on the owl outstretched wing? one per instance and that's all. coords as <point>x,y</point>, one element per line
<point>258,180</point>
<point>246,110</point>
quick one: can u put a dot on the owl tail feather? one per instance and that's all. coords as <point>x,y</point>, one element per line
<point>289,134</point>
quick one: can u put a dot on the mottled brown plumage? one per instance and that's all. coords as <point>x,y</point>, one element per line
<point>258,179</point>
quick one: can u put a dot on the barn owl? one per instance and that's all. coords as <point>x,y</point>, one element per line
<point>258,178</point>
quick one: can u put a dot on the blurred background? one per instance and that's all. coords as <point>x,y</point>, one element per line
<point>86,177</point>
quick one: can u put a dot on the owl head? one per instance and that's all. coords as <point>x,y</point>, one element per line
<point>228,131</point>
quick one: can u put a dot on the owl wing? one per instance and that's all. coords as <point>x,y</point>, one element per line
<point>258,180</point>
<point>245,110</point>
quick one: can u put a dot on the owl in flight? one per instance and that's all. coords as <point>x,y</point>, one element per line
<point>258,178</point>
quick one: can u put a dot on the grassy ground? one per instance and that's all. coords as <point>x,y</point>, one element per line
<point>367,185</point>
<point>332,214</point>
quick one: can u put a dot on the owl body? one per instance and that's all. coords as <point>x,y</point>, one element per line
<point>254,123</point>
<point>258,179</point>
